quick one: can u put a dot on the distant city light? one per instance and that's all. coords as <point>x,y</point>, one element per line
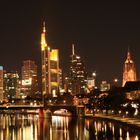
<point>94,74</point>
<point>1,67</point>
<point>115,80</point>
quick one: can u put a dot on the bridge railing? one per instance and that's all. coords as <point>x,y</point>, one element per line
<point>20,106</point>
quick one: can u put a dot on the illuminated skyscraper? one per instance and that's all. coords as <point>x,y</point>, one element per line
<point>29,69</point>
<point>77,75</point>
<point>11,83</point>
<point>129,70</point>
<point>104,86</point>
<point>29,77</point>
<point>50,67</point>
<point>1,83</point>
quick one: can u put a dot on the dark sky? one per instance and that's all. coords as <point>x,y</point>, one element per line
<point>101,31</point>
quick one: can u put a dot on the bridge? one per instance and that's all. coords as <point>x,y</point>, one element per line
<point>70,108</point>
<point>18,107</point>
<point>75,110</point>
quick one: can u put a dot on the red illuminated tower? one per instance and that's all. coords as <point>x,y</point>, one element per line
<point>129,71</point>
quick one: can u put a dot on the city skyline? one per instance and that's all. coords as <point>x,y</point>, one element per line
<point>103,30</point>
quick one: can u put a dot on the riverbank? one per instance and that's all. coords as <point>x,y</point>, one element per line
<point>127,120</point>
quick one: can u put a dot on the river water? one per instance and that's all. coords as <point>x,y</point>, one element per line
<point>32,127</point>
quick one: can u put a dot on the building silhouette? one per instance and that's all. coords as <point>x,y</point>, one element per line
<point>50,67</point>
<point>129,70</point>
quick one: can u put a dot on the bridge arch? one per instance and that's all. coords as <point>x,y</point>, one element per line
<point>71,109</point>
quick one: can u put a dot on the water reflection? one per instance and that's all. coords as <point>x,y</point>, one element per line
<point>31,127</point>
<point>18,127</point>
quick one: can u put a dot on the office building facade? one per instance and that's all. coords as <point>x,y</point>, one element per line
<point>77,75</point>
<point>11,85</point>
<point>29,77</point>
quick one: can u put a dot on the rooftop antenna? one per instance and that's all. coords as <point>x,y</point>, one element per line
<point>44,27</point>
<point>73,50</point>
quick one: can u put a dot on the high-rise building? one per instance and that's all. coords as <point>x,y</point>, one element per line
<point>129,70</point>
<point>90,83</point>
<point>11,84</point>
<point>1,83</point>
<point>50,67</point>
<point>61,87</point>
<point>77,75</point>
<point>29,77</point>
<point>104,86</point>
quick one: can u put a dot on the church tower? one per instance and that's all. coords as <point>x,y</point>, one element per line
<point>129,71</point>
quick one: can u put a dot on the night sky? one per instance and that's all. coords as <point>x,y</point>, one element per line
<point>100,30</point>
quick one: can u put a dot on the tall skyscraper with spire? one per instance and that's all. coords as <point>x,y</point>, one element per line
<point>77,74</point>
<point>50,66</point>
<point>129,70</point>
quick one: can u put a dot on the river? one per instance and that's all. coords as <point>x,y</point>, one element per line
<point>32,127</point>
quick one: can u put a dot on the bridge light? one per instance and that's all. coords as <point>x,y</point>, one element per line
<point>120,111</point>
<point>64,101</point>
<point>126,112</point>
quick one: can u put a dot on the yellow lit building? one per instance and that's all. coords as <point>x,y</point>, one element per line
<point>50,67</point>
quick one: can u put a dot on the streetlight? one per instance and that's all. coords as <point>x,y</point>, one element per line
<point>116,81</point>
<point>94,74</point>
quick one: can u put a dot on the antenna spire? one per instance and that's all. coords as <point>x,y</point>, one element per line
<point>44,27</point>
<point>73,49</point>
<point>128,54</point>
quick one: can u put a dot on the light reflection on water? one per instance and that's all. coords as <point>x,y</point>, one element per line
<point>31,127</point>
